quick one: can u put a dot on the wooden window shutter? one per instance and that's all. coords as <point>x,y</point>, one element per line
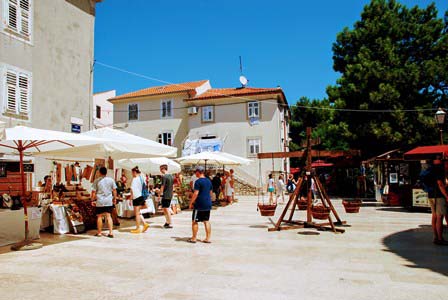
<point>24,95</point>
<point>25,17</point>
<point>11,92</point>
<point>12,14</point>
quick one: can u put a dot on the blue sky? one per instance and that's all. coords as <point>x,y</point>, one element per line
<point>284,42</point>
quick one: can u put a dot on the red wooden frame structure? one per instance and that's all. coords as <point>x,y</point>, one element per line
<point>305,181</point>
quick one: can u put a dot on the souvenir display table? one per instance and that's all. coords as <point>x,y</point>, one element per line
<point>125,209</point>
<point>12,225</point>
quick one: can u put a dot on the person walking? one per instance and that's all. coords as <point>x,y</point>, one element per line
<point>104,195</point>
<point>138,200</point>
<point>216,183</point>
<point>271,189</point>
<point>228,188</point>
<point>280,189</point>
<point>166,190</point>
<point>201,203</point>
<point>232,184</point>
<point>192,181</point>
<point>434,185</point>
<point>291,184</point>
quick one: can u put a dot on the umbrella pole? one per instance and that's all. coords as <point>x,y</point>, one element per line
<point>23,192</point>
<point>205,165</point>
<point>26,244</point>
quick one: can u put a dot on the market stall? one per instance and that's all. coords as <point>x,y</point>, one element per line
<point>23,141</point>
<point>421,157</point>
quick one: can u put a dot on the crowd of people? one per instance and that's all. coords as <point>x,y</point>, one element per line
<point>223,186</point>
<point>104,198</point>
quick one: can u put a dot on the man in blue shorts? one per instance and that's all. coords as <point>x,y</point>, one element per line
<point>201,203</point>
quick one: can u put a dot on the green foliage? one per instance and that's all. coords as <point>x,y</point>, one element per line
<point>394,58</point>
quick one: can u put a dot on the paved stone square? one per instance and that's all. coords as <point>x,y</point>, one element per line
<point>386,254</point>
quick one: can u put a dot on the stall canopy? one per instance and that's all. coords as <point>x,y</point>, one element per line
<point>207,158</point>
<point>149,165</point>
<point>427,152</point>
<point>321,164</point>
<point>23,140</point>
<point>241,160</point>
<point>116,144</point>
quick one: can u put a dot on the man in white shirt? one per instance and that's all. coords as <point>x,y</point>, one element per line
<point>104,195</point>
<point>193,181</point>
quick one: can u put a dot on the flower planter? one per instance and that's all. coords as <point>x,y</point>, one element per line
<point>352,206</point>
<point>267,210</point>
<point>320,212</point>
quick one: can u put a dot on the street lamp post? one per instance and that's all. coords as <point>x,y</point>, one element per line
<point>440,119</point>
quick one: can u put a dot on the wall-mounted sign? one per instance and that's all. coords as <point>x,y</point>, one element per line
<point>76,128</point>
<point>393,178</point>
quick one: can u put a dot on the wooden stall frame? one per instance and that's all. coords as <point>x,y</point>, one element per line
<point>294,198</point>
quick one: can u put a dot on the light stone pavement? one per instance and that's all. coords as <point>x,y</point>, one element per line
<point>386,254</point>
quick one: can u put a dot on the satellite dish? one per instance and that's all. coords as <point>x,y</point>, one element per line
<point>243,80</point>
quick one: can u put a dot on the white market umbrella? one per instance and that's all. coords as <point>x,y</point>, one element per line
<point>207,158</point>
<point>117,145</point>
<point>243,161</point>
<point>23,140</point>
<point>150,165</point>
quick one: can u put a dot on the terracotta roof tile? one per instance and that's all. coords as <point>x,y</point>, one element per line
<point>235,92</point>
<point>161,90</point>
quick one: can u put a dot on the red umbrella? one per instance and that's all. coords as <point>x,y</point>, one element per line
<point>321,164</point>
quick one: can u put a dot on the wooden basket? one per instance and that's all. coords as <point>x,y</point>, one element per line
<point>352,206</point>
<point>267,210</point>
<point>320,212</point>
<point>302,204</point>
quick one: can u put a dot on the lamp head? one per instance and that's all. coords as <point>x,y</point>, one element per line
<point>440,116</point>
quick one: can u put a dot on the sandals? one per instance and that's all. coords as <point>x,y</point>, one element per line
<point>191,241</point>
<point>109,235</point>
<point>206,242</point>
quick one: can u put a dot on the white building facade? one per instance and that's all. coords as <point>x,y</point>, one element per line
<point>195,117</point>
<point>103,110</point>
<point>46,57</point>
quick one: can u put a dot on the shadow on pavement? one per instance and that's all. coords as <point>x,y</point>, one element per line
<point>395,209</point>
<point>415,245</point>
<point>182,239</point>
<point>48,239</point>
<point>258,226</point>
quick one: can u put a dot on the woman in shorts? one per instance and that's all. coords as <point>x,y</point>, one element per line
<point>138,200</point>
<point>271,189</point>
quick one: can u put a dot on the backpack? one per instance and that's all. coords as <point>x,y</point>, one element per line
<point>290,186</point>
<point>145,192</point>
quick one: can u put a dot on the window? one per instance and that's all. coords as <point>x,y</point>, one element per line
<point>253,110</point>
<point>98,112</point>
<point>166,109</point>
<point>18,17</point>
<point>133,112</point>
<point>254,146</point>
<point>166,138</point>
<point>208,114</point>
<point>17,97</point>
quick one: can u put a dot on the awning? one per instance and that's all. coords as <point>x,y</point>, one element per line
<point>427,152</point>
<point>320,164</point>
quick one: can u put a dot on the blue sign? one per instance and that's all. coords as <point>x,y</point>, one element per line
<point>76,128</point>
